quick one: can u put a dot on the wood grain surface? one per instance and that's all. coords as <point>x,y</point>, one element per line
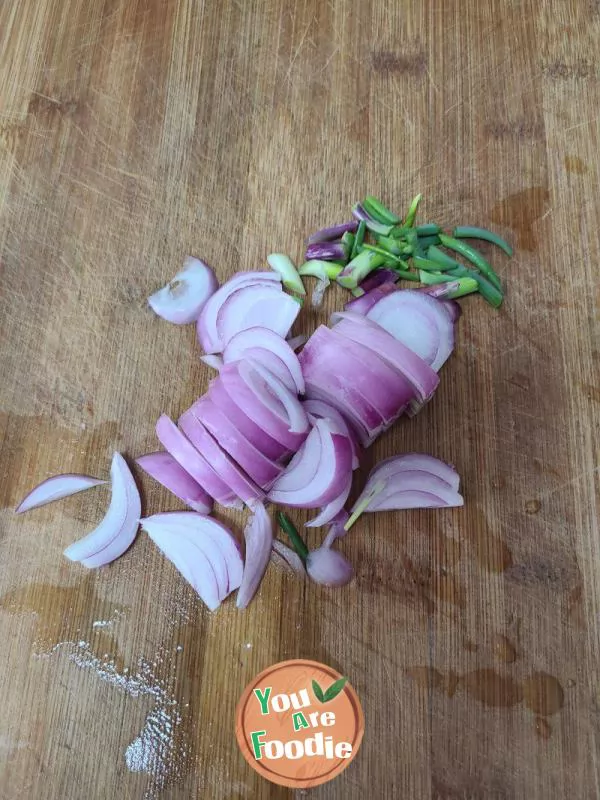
<point>133,133</point>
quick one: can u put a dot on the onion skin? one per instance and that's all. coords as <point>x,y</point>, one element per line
<point>328,567</point>
<point>288,557</point>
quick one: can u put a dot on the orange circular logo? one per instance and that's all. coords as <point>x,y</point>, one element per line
<point>299,723</point>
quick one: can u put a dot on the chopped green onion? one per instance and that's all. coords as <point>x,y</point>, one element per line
<point>465,286</point>
<point>348,241</point>
<point>441,258</point>
<point>386,254</point>
<point>429,265</point>
<point>320,269</point>
<point>470,232</point>
<point>288,527</point>
<point>409,221</point>
<point>358,239</point>
<point>358,269</point>
<point>378,211</point>
<point>428,229</point>
<point>486,289</point>
<point>473,256</point>
<point>433,278</point>
<point>390,244</point>
<point>284,265</point>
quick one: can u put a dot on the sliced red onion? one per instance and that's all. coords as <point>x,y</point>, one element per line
<point>258,534</point>
<point>217,542</point>
<point>326,367</point>
<point>322,485</point>
<point>117,530</point>
<point>186,455</point>
<point>322,410</point>
<point>189,559</point>
<point>365,331</point>
<point>288,557</point>
<point>333,232</point>
<point>333,508</point>
<point>304,463</point>
<point>263,346</point>
<point>184,297</point>
<point>234,476</point>
<point>253,432</point>
<point>328,567</point>
<point>258,467</point>
<point>365,302</point>
<point>256,306</point>
<point>419,321</point>
<point>318,294</point>
<point>164,469</point>
<point>388,391</point>
<point>56,488</point>
<point>408,481</point>
<point>418,481</point>
<point>330,394</point>
<point>285,267</point>
<point>326,251</point>
<point>208,336</point>
<point>377,278</point>
<point>336,529</point>
<point>216,362</point>
<point>295,342</point>
<point>278,412</point>
<point>410,462</point>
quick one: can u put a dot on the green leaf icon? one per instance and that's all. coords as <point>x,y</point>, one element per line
<point>335,689</point>
<point>318,692</point>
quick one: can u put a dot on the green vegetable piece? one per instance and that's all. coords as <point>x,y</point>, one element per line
<point>348,241</point>
<point>443,259</point>
<point>423,242</point>
<point>320,269</point>
<point>288,527</point>
<point>486,289</point>
<point>386,254</point>
<point>284,265</point>
<point>335,688</point>
<point>358,269</point>
<point>428,229</point>
<point>390,244</point>
<point>465,286</point>
<point>429,265</point>
<point>471,232</point>
<point>364,504</point>
<point>473,256</point>
<point>433,278</point>
<point>378,211</point>
<point>378,227</point>
<point>358,239</point>
<point>318,691</point>
<point>409,220</point>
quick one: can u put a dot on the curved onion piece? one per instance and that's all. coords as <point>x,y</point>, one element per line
<point>414,481</point>
<point>256,343</point>
<point>258,534</point>
<point>118,528</point>
<point>332,232</point>
<point>190,560</point>
<point>193,462</point>
<point>323,485</point>
<point>256,306</point>
<point>288,557</point>
<point>210,534</point>
<point>419,321</point>
<point>328,567</point>
<point>303,465</point>
<point>409,462</point>
<point>324,364</point>
<point>184,297</point>
<point>336,529</point>
<point>370,334</point>
<point>56,488</point>
<point>333,508</point>
<point>415,498</point>
<point>226,468</point>
<point>284,266</point>
<point>279,413</point>
<point>254,433</point>
<point>164,469</point>
<point>209,339</point>
<point>389,392</point>
<point>322,410</point>
<point>216,362</point>
<point>330,394</point>
<point>364,303</point>
<point>260,468</point>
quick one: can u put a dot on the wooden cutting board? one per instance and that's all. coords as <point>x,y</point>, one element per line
<point>133,133</point>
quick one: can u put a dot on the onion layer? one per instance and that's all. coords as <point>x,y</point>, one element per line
<point>164,469</point>
<point>258,534</point>
<point>258,305</point>
<point>56,488</point>
<point>267,348</point>
<point>117,530</point>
